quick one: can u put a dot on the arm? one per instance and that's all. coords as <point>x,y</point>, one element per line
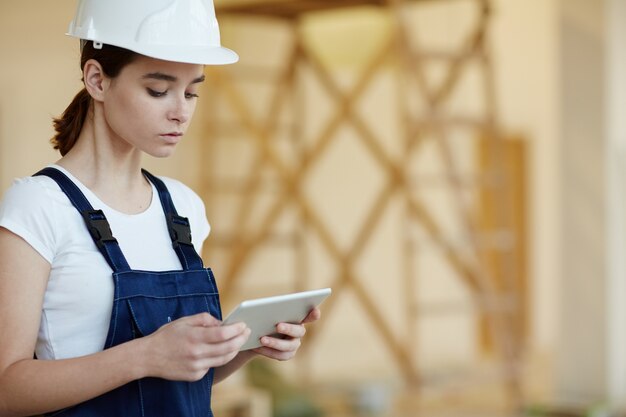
<point>23,279</point>
<point>182,350</point>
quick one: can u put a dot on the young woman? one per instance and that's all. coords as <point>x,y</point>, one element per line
<point>100,275</point>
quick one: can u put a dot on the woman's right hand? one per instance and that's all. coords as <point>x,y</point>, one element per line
<point>185,349</point>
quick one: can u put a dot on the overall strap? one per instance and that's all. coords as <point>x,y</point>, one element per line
<point>178,227</point>
<point>95,220</point>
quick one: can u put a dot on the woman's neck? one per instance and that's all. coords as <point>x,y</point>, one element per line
<point>108,166</point>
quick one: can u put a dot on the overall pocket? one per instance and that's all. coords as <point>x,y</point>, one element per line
<point>149,314</point>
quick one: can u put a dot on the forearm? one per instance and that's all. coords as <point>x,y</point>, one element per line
<point>30,387</point>
<point>224,371</point>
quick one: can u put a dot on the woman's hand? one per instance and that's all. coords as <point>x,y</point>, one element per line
<point>285,347</point>
<point>185,349</point>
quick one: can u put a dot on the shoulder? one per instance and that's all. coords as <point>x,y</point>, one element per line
<point>31,194</point>
<point>183,196</point>
<point>30,209</point>
<point>188,204</point>
<point>177,187</point>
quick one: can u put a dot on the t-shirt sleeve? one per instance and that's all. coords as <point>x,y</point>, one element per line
<point>26,211</point>
<point>202,224</point>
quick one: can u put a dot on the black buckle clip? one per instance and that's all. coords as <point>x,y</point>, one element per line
<point>180,230</point>
<point>98,227</point>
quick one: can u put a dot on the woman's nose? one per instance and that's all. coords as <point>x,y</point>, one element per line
<point>180,110</point>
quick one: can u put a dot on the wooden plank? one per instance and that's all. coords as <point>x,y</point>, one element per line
<point>293,9</point>
<point>502,207</point>
<point>290,8</point>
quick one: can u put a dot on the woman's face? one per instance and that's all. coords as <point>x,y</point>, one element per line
<point>149,105</point>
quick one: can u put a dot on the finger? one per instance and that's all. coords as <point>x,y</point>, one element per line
<point>273,353</point>
<point>220,334</point>
<point>313,315</point>
<point>221,349</point>
<point>230,347</point>
<point>292,330</point>
<point>283,345</point>
<point>215,361</point>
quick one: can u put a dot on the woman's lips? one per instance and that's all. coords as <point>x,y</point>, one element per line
<point>172,137</point>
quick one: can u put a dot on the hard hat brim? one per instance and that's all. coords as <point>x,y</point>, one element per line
<point>202,55</point>
<point>192,55</point>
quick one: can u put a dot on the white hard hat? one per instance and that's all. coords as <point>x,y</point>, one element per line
<point>171,30</point>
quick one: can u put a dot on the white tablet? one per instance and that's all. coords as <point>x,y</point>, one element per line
<point>262,315</point>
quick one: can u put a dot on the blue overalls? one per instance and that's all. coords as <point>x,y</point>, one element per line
<point>143,302</point>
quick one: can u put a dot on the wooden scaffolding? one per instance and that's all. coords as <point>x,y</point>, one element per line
<point>489,259</point>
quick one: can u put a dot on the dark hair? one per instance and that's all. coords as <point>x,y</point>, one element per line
<point>113,59</point>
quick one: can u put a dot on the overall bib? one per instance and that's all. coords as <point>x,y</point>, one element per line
<point>143,302</point>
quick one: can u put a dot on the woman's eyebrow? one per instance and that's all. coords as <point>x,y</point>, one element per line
<point>160,76</point>
<point>171,78</point>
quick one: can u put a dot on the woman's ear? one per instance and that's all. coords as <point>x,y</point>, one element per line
<point>96,82</point>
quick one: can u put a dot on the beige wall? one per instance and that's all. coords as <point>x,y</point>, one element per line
<point>593,282</point>
<point>39,75</point>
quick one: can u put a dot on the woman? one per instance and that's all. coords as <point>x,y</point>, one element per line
<point>81,240</point>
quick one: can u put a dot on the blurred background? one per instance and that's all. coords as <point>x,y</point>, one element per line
<point>453,169</point>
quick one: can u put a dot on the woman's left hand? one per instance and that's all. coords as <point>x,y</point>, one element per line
<point>285,347</point>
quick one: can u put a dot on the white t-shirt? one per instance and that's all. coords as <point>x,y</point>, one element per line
<point>79,296</point>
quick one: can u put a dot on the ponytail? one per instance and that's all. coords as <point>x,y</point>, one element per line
<point>70,124</point>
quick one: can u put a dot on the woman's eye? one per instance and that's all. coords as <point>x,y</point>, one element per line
<point>191,95</point>
<point>155,93</point>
